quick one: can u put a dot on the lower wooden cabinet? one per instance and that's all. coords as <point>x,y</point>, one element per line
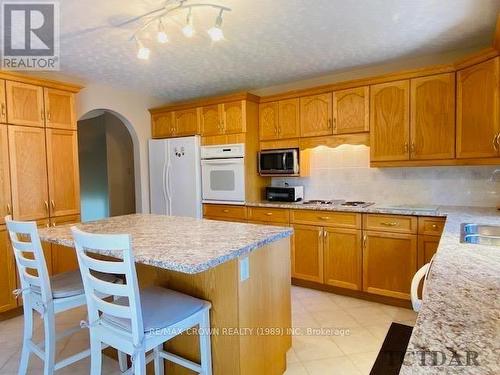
<point>343,258</point>
<point>389,263</point>
<point>427,247</point>
<point>307,253</point>
<point>7,273</point>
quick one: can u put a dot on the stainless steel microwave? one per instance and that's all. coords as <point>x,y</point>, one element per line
<point>279,162</point>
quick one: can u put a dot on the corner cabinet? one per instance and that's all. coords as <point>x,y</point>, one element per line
<point>478,110</point>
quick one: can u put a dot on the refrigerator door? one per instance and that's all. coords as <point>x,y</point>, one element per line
<point>158,164</point>
<point>184,177</point>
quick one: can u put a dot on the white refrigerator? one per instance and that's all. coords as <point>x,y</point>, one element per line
<point>175,176</point>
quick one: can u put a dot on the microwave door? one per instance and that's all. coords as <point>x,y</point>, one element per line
<point>272,162</point>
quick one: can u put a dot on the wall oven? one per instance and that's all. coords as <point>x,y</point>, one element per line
<point>279,162</point>
<point>223,174</point>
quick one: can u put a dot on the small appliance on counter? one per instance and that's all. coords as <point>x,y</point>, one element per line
<point>284,193</point>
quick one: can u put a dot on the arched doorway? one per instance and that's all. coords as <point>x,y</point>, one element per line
<point>107,173</point>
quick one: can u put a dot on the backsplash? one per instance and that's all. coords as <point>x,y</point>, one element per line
<point>344,173</point>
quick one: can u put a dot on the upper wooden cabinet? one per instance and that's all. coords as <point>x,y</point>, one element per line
<point>316,115</point>
<point>389,119</point>
<point>211,121</point>
<point>268,121</point>
<point>163,125</point>
<point>186,122</point>
<point>478,112</point>
<point>5,196</point>
<point>279,120</point>
<point>432,120</point>
<point>3,102</point>
<point>63,173</point>
<point>28,171</point>
<point>351,110</point>
<point>233,117</point>
<point>25,104</point>
<point>59,109</point>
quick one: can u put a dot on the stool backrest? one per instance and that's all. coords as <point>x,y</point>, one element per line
<point>29,256</point>
<point>119,245</point>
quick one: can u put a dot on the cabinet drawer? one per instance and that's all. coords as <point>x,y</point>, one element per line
<point>390,223</point>
<point>224,211</point>
<point>274,215</point>
<point>326,218</point>
<point>432,226</point>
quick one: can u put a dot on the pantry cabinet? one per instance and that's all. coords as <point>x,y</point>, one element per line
<point>351,110</point>
<point>307,253</point>
<point>478,110</point>
<point>25,104</point>
<point>316,115</point>
<point>7,273</point>
<point>3,102</point>
<point>59,109</point>
<point>5,195</point>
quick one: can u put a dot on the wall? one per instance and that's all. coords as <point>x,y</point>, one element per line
<point>344,173</point>
<point>132,109</point>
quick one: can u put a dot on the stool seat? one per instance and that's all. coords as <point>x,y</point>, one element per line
<point>160,307</point>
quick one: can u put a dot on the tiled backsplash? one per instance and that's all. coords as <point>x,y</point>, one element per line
<point>344,173</point>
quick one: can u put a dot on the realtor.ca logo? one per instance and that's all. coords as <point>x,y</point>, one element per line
<point>30,35</point>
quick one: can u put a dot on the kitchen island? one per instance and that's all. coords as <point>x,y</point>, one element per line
<point>242,269</point>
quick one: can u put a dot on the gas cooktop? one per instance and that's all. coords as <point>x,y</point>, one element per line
<point>339,202</point>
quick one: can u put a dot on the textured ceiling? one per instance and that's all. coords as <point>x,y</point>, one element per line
<point>267,41</point>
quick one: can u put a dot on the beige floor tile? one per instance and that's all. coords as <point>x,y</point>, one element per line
<point>313,347</point>
<point>338,319</point>
<point>379,330</point>
<point>291,357</point>
<point>364,361</point>
<point>399,314</point>
<point>369,315</point>
<point>348,302</point>
<point>359,341</point>
<point>325,305</point>
<point>296,368</point>
<point>331,366</point>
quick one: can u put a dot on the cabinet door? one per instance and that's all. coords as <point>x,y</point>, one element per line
<point>478,113</point>
<point>28,173</point>
<point>7,273</point>
<point>187,122</point>
<point>389,263</point>
<point>3,102</point>
<point>307,253</point>
<point>289,118</point>
<point>351,111</point>
<point>316,115</point>
<point>24,104</point>
<point>64,258</point>
<point>59,109</point>
<point>63,173</point>
<point>268,121</point>
<point>210,119</point>
<point>432,122</point>
<point>427,247</point>
<point>233,117</point>
<point>389,121</point>
<point>5,196</point>
<point>343,258</point>
<point>163,125</point>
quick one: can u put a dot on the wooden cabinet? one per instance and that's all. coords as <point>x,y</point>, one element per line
<point>224,212</point>
<point>351,110</point>
<point>348,220</point>
<point>271,215</point>
<point>24,104</point>
<point>432,226</point>
<point>186,122</point>
<point>64,258</point>
<point>389,263</point>
<point>28,171</point>
<point>427,247</point>
<point>211,121</point>
<point>478,110</point>
<point>63,173</point>
<point>5,195</point>
<point>343,258</point>
<point>391,223</point>
<point>3,102</point>
<point>59,109</point>
<point>279,120</point>
<point>163,125</point>
<point>316,115</point>
<point>307,253</point>
<point>233,117</point>
<point>432,120</point>
<point>7,273</point>
<point>389,121</point>
<point>268,121</point>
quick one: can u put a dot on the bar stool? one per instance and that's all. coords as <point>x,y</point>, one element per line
<point>422,273</point>
<point>46,295</point>
<point>138,321</point>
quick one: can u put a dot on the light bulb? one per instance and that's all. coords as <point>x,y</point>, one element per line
<point>188,30</point>
<point>143,52</point>
<point>162,36</point>
<point>216,33</point>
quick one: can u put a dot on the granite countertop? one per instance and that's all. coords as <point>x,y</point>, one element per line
<point>180,244</point>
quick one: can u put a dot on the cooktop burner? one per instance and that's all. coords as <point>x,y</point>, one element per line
<point>340,202</point>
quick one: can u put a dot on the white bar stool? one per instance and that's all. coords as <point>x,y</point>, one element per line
<point>47,296</point>
<point>422,273</point>
<point>137,321</point>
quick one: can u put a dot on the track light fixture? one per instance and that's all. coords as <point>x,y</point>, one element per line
<point>215,32</point>
<point>143,52</point>
<point>162,36</point>
<point>188,30</point>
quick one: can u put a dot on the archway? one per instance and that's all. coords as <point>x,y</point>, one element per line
<point>107,165</point>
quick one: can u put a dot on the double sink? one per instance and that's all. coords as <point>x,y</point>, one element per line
<point>480,234</point>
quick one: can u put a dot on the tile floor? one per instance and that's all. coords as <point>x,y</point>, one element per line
<point>348,336</point>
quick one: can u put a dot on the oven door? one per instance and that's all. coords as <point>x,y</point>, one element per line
<point>223,180</point>
<point>279,162</point>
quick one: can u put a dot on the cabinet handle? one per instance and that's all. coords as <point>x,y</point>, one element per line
<point>276,130</point>
<point>324,217</point>
<point>53,204</point>
<point>329,123</point>
<point>225,211</point>
<point>406,147</point>
<point>9,211</point>
<point>389,224</point>
<point>4,114</point>
<point>364,241</point>
<point>494,142</point>
<point>412,148</point>
<point>269,213</point>
<point>46,206</point>
<point>54,224</point>
<point>320,233</point>
<point>42,115</point>
<point>497,139</point>
<point>48,115</point>
<point>279,129</point>
<point>325,233</point>
<point>335,123</point>
<point>434,226</point>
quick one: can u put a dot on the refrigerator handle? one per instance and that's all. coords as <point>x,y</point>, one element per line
<point>169,189</point>
<point>165,193</point>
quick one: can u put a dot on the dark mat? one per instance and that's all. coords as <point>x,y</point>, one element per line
<point>391,355</point>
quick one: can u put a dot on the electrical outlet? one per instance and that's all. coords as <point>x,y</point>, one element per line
<point>244,269</point>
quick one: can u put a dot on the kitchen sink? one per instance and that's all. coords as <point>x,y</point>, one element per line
<point>480,234</point>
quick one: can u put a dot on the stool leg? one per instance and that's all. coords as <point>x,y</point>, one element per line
<point>122,361</point>
<point>27,336</point>
<point>139,363</point>
<point>159,363</point>
<point>50,340</point>
<point>205,346</point>
<point>95,356</point>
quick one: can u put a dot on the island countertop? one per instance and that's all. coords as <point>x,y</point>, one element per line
<point>180,244</point>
